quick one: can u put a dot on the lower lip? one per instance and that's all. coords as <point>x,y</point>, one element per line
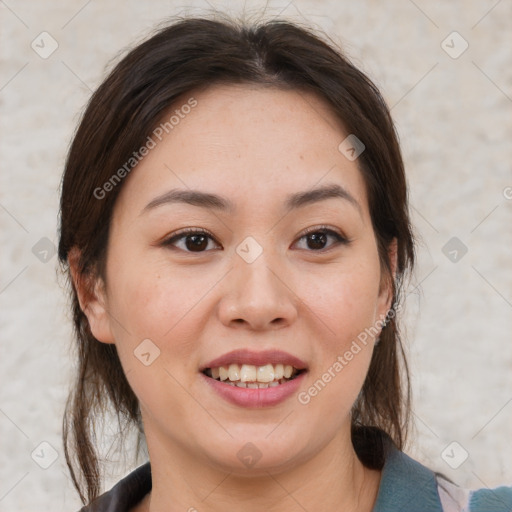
<point>255,397</point>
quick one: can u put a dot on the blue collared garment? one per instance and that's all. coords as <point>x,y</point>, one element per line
<point>408,486</point>
<point>405,486</point>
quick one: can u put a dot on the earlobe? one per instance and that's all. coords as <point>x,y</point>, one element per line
<point>91,294</point>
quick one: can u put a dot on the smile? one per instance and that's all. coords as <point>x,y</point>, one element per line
<point>253,377</point>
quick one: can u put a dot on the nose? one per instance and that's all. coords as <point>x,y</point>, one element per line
<point>257,296</point>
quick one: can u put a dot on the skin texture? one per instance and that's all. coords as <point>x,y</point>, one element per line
<point>255,146</point>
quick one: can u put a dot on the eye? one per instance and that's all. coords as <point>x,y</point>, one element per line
<point>195,240</point>
<point>316,238</point>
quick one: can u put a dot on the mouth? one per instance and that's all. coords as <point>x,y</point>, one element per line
<point>254,370</point>
<point>253,377</point>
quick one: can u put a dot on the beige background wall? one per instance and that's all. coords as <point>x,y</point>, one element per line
<point>453,112</point>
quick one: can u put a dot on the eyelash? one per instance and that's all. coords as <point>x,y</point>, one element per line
<point>340,240</point>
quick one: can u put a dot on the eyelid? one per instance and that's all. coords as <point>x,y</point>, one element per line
<point>168,241</point>
<point>322,227</point>
<point>191,231</point>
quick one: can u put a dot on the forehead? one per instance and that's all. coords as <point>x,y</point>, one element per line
<point>252,144</point>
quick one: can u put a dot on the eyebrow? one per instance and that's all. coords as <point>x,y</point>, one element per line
<point>216,202</point>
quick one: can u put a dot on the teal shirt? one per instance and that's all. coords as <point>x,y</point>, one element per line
<point>408,486</point>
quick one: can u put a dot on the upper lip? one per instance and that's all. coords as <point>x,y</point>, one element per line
<point>244,356</point>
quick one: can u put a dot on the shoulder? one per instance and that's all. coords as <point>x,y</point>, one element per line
<point>406,484</point>
<point>125,494</point>
<point>457,499</point>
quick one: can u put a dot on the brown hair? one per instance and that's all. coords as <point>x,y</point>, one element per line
<point>185,55</point>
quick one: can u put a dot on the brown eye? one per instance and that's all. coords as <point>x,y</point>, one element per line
<point>197,240</point>
<point>193,240</point>
<point>316,239</point>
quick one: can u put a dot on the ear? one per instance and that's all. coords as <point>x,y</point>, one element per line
<point>92,298</point>
<point>386,287</point>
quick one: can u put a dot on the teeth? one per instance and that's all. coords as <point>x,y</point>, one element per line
<point>250,376</point>
<point>234,372</point>
<point>265,373</point>
<point>248,373</point>
<point>223,373</point>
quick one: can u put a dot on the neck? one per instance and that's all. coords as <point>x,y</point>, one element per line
<point>333,480</point>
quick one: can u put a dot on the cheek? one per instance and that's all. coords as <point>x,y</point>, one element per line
<point>342,307</point>
<point>150,305</point>
<point>344,301</point>
<point>150,302</point>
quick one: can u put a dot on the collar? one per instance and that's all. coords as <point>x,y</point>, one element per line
<point>406,485</point>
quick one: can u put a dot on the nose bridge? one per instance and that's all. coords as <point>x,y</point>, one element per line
<point>259,277</point>
<point>256,293</point>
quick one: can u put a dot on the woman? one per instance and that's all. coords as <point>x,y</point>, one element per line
<point>234,216</point>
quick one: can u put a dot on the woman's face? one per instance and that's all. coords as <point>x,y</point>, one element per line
<point>251,289</point>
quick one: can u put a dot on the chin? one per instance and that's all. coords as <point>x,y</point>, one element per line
<point>257,453</point>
